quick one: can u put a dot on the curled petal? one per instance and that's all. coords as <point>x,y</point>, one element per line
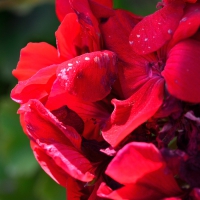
<point>70,160</point>
<point>53,170</point>
<point>36,87</point>
<point>87,20</point>
<point>156,29</point>
<point>182,71</point>
<point>89,76</point>
<point>130,113</point>
<point>34,57</point>
<point>39,123</point>
<point>189,23</point>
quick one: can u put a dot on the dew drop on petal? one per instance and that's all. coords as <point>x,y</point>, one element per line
<point>170,31</point>
<point>184,19</point>
<point>96,59</point>
<point>146,39</point>
<point>69,68</point>
<point>138,36</point>
<point>130,42</point>
<point>87,58</point>
<point>70,64</point>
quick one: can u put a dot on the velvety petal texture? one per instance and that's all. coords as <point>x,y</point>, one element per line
<point>62,8</point>
<point>68,32</point>
<point>82,75</point>
<point>189,23</point>
<point>182,72</point>
<point>61,144</point>
<point>132,112</point>
<point>36,87</point>
<point>156,29</point>
<point>151,178</point>
<point>34,57</point>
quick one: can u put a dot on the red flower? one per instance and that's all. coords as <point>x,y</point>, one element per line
<point>47,74</point>
<point>160,57</point>
<point>111,72</point>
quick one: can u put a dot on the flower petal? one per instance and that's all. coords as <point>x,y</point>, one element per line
<point>36,87</point>
<point>39,123</point>
<point>102,8</point>
<point>34,57</point>
<point>156,29</point>
<point>134,161</point>
<point>88,21</point>
<point>130,192</point>
<point>132,112</point>
<point>182,71</point>
<point>61,143</point>
<point>89,76</point>
<point>129,67</point>
<point>63,7</point>
<point>50,167</point>
<point>142,172</point>
<point>70,160</point>
<point>189,23</point>
<point>66,35</point>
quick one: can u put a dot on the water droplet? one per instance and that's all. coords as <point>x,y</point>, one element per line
<point>159,23</point>
<point>130,42</point>
<point>184,19</point>
<point>70,64</point>
<point>146,39</point>
<point>96,59</point>
<point>138,36</point>
<point>87,58</point>
<point>69,68</point>
<point>170,31</point>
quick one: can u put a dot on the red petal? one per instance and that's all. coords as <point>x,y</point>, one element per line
<point>130,191</point>
<point>107,3</point>
<point>88,21</point>
<point>62,8</point>
<point>130,113</point>
<point>42,124</point>
<point>156,29</point>
<point>50,167</point>
<point>182,71</point>
<point>89,76</point>
<point>141,169</point>
<point>66,35</point>
<point>134,161</point>
<point>37,87</point>
<point>102,8</point>
<point>118,42</point>
<point>93,114</point>
<point>189,23</point>
<point>34,57</point>
<point>61,143</point>
<point>70,160</point>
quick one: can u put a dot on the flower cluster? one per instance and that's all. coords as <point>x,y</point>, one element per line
<point>113,112</point>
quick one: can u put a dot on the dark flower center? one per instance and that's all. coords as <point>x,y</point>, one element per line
<point>156,67</point>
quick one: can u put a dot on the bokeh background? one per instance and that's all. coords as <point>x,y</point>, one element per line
<point>23,21</point>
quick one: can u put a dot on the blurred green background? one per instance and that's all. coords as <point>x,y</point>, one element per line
<point>23,21</point>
